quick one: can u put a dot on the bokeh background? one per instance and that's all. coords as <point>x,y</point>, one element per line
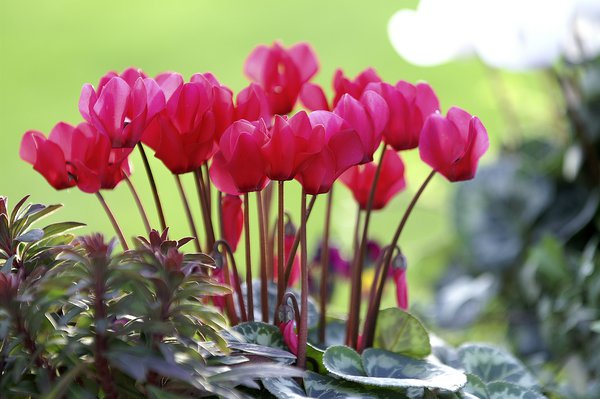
<point>49,49</point>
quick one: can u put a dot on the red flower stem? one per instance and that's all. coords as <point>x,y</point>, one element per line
<point>188,212</point>
<point>206,217</point>
<point>280,245</point>
<point>236,279</point>
<point>208,189</point>
<point>138,203</point>
<point>159,208</point>
<point>267,195</point>
<point>264,295</point>
<point>371,318</point>
<point>292,298</point>
<point>303,327</point>
<point>250,298</point>
<point>325,268</point>
<point>220,214</point>
<point>296,243</point>
<point>357,269</point>
<point>113,221</point>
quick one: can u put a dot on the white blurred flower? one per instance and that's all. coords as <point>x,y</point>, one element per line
<point>510,34</point>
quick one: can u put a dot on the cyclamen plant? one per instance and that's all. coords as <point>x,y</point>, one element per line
<point>254,143</point>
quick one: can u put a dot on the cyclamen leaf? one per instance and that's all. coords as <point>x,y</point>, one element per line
<point>506,390</point>
<point>492,364</point>
<point>327,387</point>
<point>400,332</point>
<point>261,334</point>
<point>387,369</point>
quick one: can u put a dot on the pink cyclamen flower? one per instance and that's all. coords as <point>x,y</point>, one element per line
<point>368,116</point>
<point>233,219</point>
<point>359,179</point>
<point>453,145</point>
<point>184,134</point>
<point>75,155</point>
<point>399,276</point>
<point>239,166</point>
<point>409,107</point>
<point>313,97</point>
<point>281,72</point>
<point>252,105</point>
<point>122,107</point>
<point>290,144</point>
<point>289,335</point>
<point>342,148</point>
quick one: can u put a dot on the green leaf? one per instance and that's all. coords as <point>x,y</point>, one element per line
<point>253,372</point>
<point>61,388</point>
<point>284,388</point>
<point>157,393</point>
<point>476,387</point>
<point>327,387</point>
<point>316,354</point>
<point>401,332</point>
<point>58,228</point>
<point>31,236</point>
<point>259,333</point>
<point>388,369</point>
<point>262,350</point>
<point>506,390</point>
<point>492,364</point>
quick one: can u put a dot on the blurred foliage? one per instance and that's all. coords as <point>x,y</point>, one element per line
<point>528,236</point>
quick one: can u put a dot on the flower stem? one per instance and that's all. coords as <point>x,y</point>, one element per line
<point>236,278</point>
<point>264,296</point>
<point>280,245</point>
<point>371,318</point>
<point>357,269</point>
<point>250,298</point>
<point>325,268</point>
<point>159,208</point>
<point>292,255</point>
<point>113,221</point>
<point>139,204</point>
<point>303,327</point>
<point>188,212</point>
<point>203,196</point>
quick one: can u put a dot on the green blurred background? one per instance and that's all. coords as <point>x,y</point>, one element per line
<point>49,49</point>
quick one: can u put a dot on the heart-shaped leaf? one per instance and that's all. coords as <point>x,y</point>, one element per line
<point>492,364</point>
<point>326,387</point>
<point>400,332</point>
<point>387,369</point>
<point>255,332</point>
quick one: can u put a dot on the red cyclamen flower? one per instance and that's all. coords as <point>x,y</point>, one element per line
<point>289,335</point>
<point>184,134</point>
<point>368,116</point>
<point>281,72</point>
<point>399,275</point>
<point>233,219</point>
<point>313,97</point>
<point>290,144</point>
<point>409,106</point>
<point>452,145</point>
<point>342,149</point>
<point>359,180</point>
<point>72,156</point>
<point>122,106</point>
<point>239,166</point>
<point>252,105</point>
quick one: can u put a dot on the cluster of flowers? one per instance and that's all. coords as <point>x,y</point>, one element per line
<point>252,139</point>
<point>255,137</point>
